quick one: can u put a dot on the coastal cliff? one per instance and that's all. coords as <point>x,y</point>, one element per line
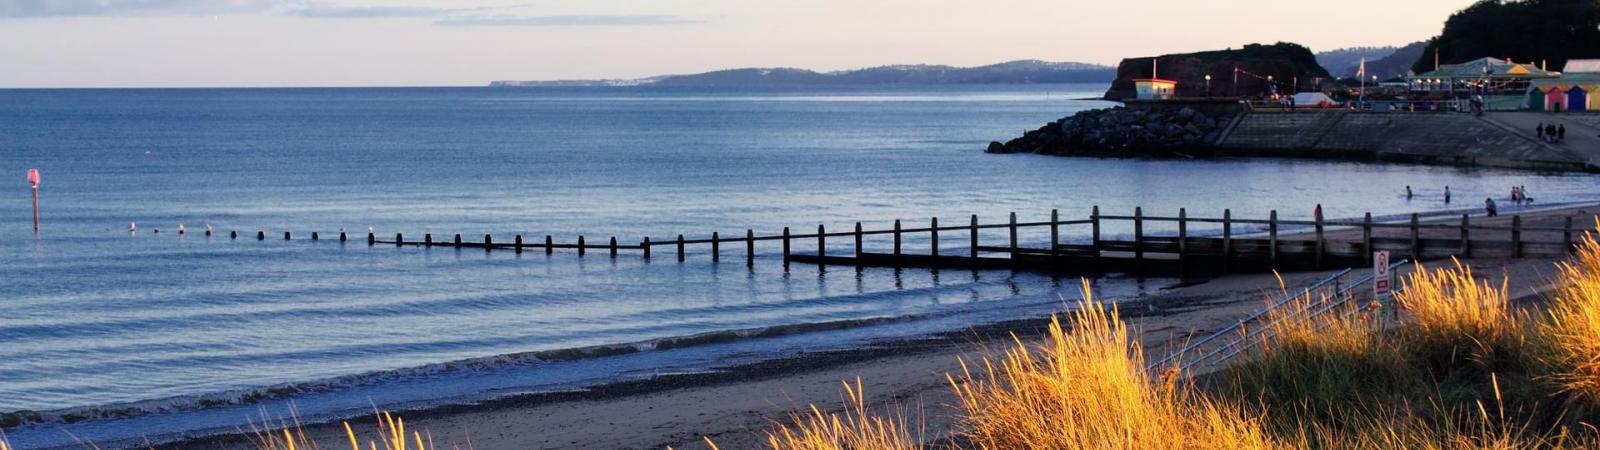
<point>1286,63</point>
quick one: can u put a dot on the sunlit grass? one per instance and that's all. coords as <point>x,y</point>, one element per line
<point>1572,326</point>
<point>1087,389</point>
<point>854,428</point>
<point>390,435</point>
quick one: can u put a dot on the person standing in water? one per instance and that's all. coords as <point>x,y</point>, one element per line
<point>1408,192</point>
<point>1447,195</point>
<point>1488,207</point>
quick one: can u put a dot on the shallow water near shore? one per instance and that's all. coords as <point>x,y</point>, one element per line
<point>95,317</point>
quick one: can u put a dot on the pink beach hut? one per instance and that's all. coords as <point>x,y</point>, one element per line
<point>1555,99</point>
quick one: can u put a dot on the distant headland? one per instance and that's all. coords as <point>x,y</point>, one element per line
<point>1013,72</point>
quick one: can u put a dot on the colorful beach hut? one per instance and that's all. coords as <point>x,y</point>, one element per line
<point>1578,99</point>
<point>1555,99</point>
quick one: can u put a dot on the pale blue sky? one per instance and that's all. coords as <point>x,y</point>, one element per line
<point>107,43</point>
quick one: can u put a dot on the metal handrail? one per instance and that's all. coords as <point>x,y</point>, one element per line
<point>1242,322</point>
<point>1342,299</point>
<point>1254,336</point>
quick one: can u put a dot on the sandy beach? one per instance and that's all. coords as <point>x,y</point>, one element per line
<point>736,407</point>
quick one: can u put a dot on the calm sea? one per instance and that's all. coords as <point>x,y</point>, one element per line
<point>95,320</point>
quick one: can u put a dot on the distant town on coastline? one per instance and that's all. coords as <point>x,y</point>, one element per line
<point>1506,98</point>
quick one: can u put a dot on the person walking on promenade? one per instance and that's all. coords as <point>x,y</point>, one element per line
<point>1539,130</point>
<point>1561,132</point>
<point>1488,207</point>
<point>1447,195</point>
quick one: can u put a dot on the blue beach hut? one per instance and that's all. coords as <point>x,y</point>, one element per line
<point>1577,99</point>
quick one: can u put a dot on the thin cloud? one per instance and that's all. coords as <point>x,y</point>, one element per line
<point>327,11</point>
<point>31,9</point>
<point>565,21</point>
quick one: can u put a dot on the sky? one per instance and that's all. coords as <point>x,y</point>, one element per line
<point>200,43</point>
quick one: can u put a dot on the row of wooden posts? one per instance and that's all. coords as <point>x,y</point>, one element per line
<point>1139,245</point>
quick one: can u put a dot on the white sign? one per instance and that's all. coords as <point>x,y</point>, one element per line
<point>1381,279</point>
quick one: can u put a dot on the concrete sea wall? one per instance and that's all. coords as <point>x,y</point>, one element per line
<point>1438,138</point>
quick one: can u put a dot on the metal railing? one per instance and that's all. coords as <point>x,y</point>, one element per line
<point>1309,303</point>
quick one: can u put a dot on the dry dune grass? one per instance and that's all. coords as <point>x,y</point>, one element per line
<point>390,435</point>
<point>1572,325</point>
<point>1461,371</point>
<point>1087,389</point>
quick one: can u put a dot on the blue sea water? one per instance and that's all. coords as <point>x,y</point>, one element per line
<point>95,318</point>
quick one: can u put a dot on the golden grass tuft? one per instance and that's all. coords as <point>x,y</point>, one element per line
<point>1087,389</point>
<point>391,435</point>
<point>1451,303</point>
<point>855,428</point>
<point>1572,325</point>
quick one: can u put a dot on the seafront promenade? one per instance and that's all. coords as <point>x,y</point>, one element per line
<point>1497,139</point>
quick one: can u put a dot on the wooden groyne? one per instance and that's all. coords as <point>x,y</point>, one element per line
<point>1226,246</point>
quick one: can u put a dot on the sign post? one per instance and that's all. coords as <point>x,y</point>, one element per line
<point>1382,282</point>
<point>33,179</point>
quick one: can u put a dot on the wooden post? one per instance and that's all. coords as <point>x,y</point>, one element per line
<point>1566,234</point>
<point>1272,239</point>
<point>1322,243</point>
<point>1516,236</point>
<point>549,244</point>
<point>934,239</point>
<point>613,246</point>
<point>1416,238</point>
<point>1138,237</point>
<point>1227,241</point>
<point>749,248</point>
<point>680,248</point>
<point>582,249</point>
<point>822,243</point>
<point>644,246</point>
<point>286,236</point>
<point>1013,230</point>
<point>342,236</point>
<point>314,235</point>
<point>785,247</point>
<point>897,240</point>
<point>1366,238</point>
<point>372,238</point>
<point>399,239</point>
<point>858,244</point>
<point>458,240</point>
<point>974,238</point>
<point>1183,243</point>
<point>488,242</point>
<point>518,245</point>
<point>1094,239</point>
<point>1466,243</point>
<point>1055,235</point>
<point>716,247</point>
<point>427,239</point>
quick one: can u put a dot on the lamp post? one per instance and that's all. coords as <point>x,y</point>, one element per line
<point>1208,85</point>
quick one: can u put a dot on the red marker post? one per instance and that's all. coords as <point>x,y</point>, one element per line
<point>33,179</point>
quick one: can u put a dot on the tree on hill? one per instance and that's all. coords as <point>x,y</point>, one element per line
<point>1533,31</point>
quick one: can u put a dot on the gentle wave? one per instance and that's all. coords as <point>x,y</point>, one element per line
<point>286,390</point>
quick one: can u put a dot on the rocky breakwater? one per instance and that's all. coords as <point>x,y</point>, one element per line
<point>1123,132</point>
